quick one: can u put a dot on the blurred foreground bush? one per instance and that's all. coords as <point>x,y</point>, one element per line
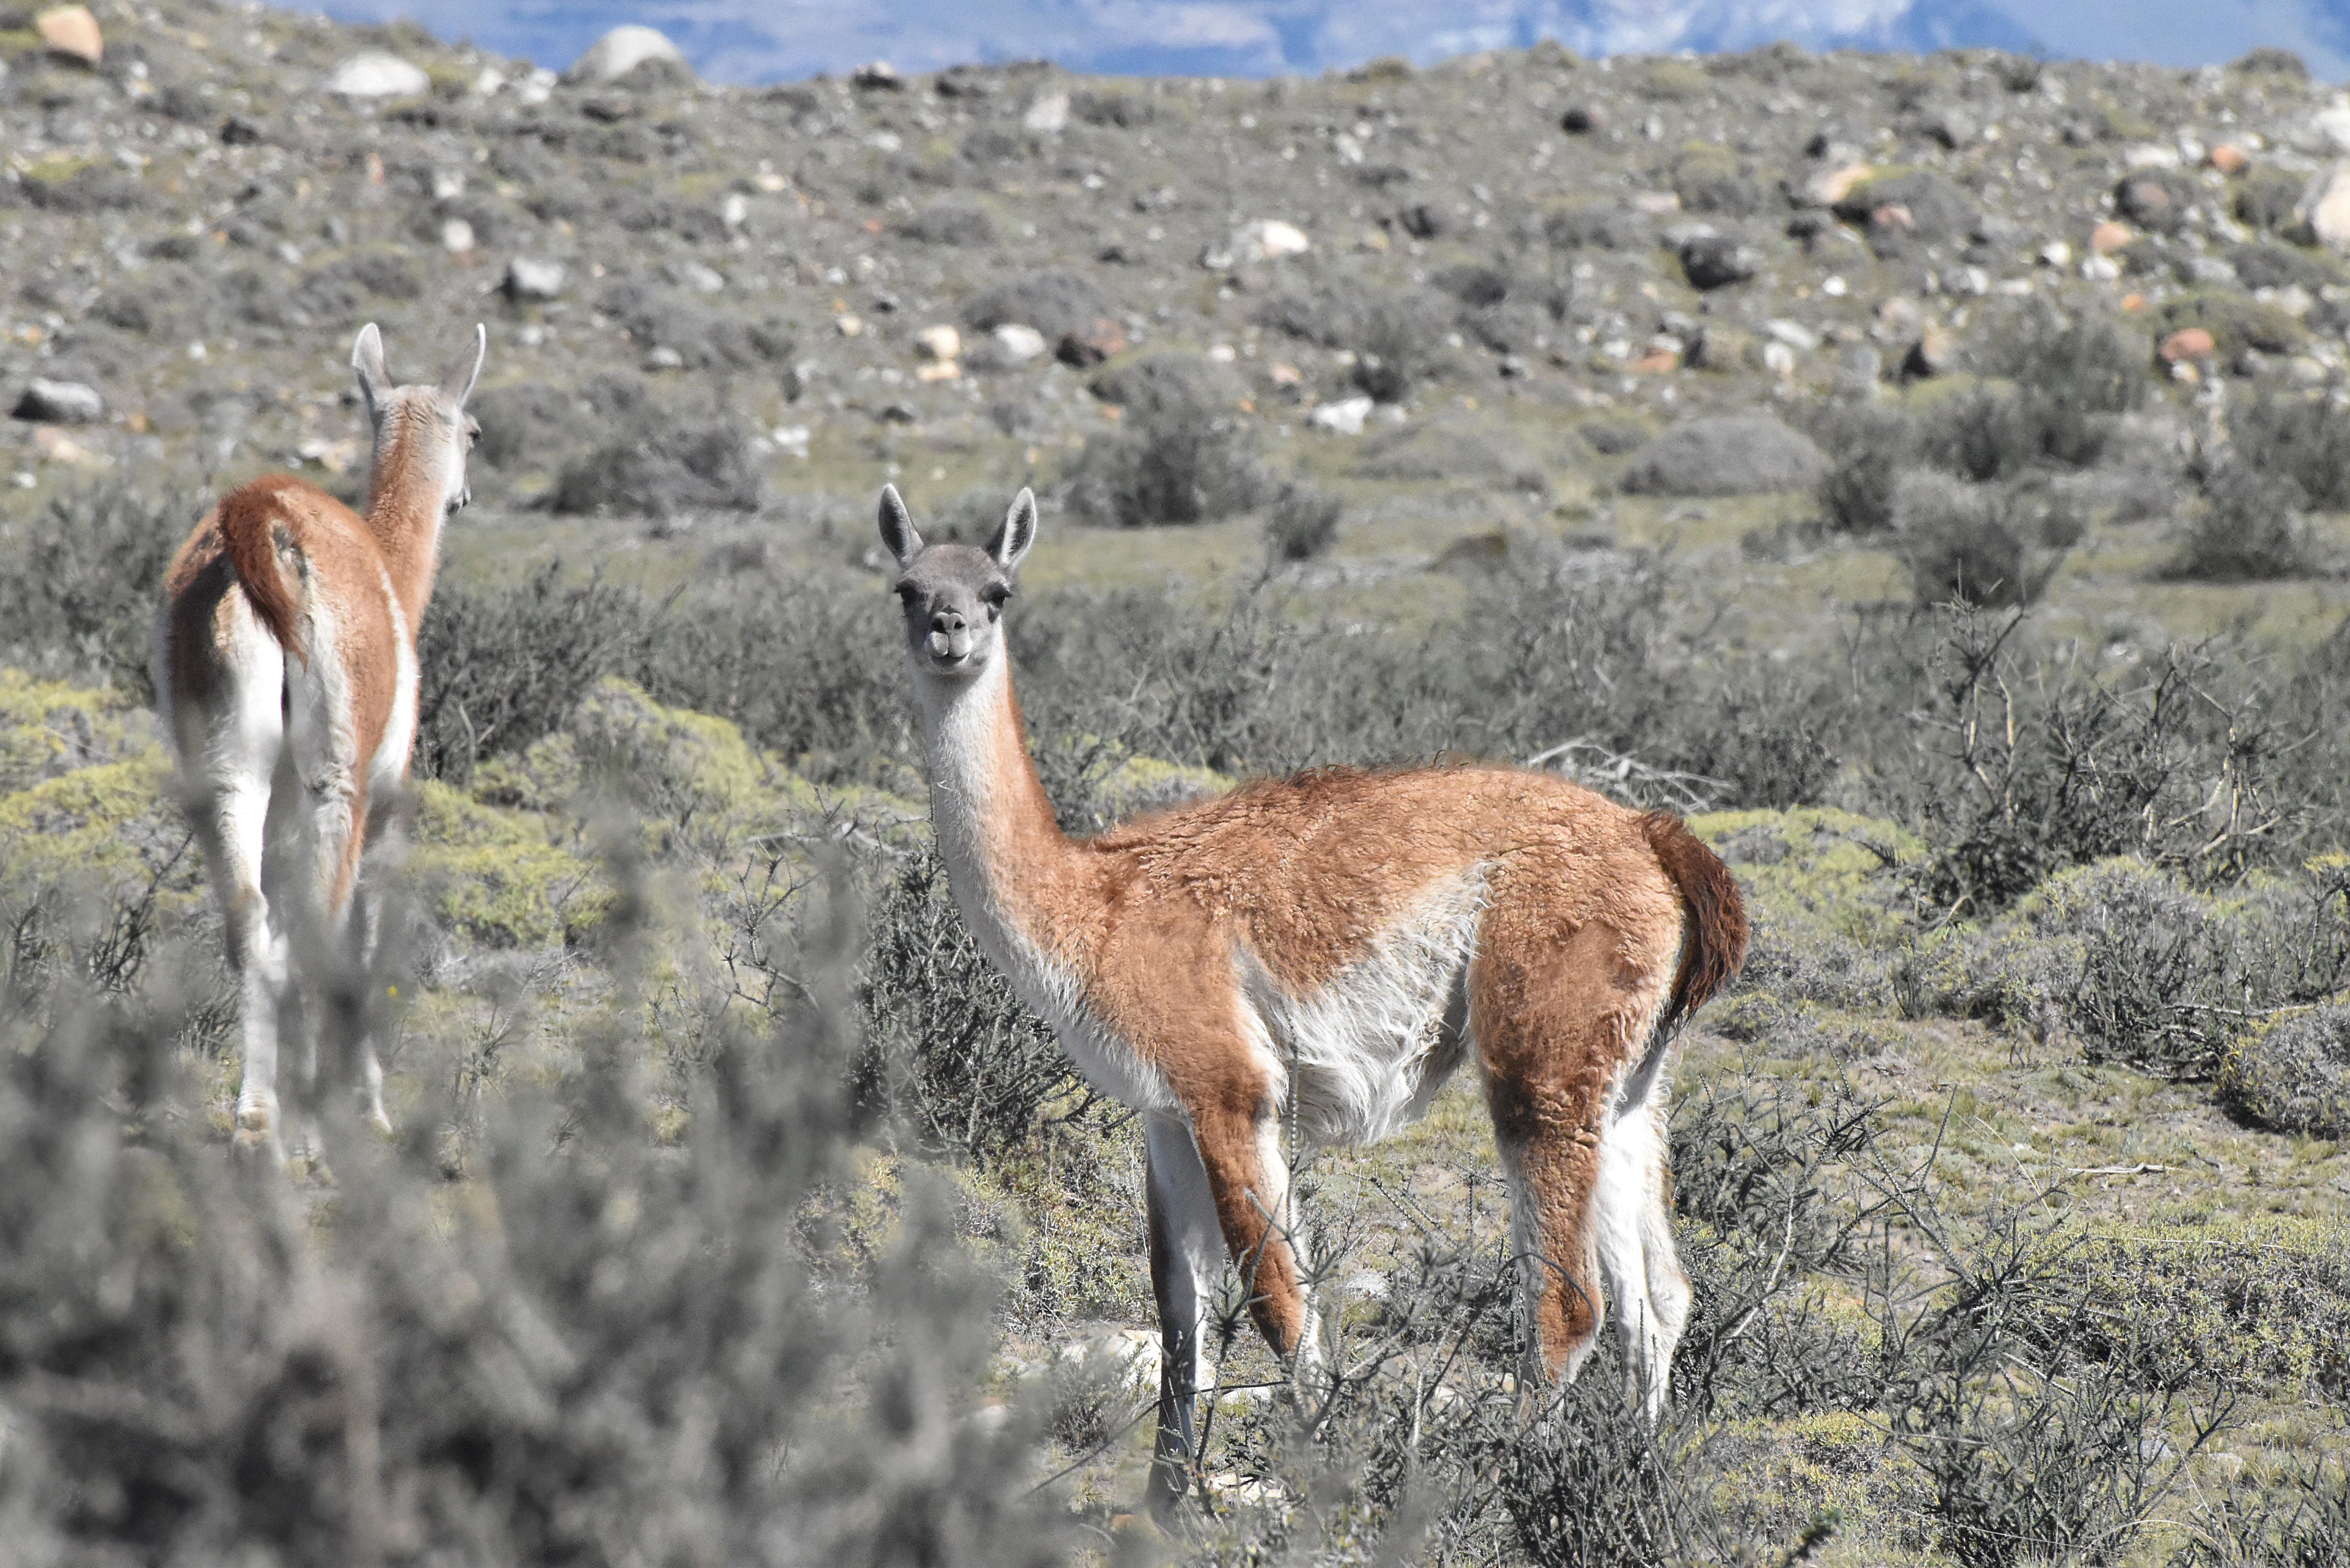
<point>550,1337</point>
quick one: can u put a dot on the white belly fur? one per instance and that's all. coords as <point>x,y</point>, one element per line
<point>1364,1054</point>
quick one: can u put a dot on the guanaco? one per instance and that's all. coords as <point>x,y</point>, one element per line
<point>1319,954</point>
<point>286,666</point>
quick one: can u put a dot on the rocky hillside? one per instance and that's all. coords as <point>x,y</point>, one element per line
<point>765,291</point>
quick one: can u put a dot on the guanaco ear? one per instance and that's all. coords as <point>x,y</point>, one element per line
<point>897,526</point>
<point>1019,531</point>
<point>458,384</point>
<point>367,359</point>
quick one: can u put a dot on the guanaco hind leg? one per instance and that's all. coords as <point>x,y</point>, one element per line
<point>1557,1025</point>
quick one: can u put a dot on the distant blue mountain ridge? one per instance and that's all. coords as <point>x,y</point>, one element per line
<point>755,41</point>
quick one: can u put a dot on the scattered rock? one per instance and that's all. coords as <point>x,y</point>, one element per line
<point>1716,261</point>
<point>942,343</point>
<point>1928,207</point>
<point>60,447</point>
<point>2188,343</point>
<point>2157,200</point>
<point>1736,454</point>
<point>61,403</point>
<point>1425,221</point>
<point>2227,157</point>
<point>1831,183</point>
<point>1935,353</point>
<point>1953,128</point>
<point>531,280</point>
<point>1017,343</point>
<point>1270,239</point>
<point>71,31</point>
<point>875,75</point>
<point>1047,113</point>
<point>2328,207</point>
<point>1091,344</point>
<point>375,74</point>
<point>2109,237</point>
<point>1343,417</point>
<point>2056,254</point>
<point>621,51</point>
<point>1582,120</point>
<point>236,130</point>
<point>456,236</point>
<point>2332,124</point>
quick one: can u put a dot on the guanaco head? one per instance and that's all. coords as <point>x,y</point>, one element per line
<point>953,594</point>
<point>421,433</point>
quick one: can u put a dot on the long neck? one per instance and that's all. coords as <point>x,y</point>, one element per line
<point>404,513</point>
<point>1019,881</point>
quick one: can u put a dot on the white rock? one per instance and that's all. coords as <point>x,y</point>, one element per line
<point>1129,1357</point>
<point>456,236</point>
<point>792,441</point>
<point>2098,269</point>
<point>942,343</point>
<point>620,51</point>
<point>1793,334</point>
<point>527,278</point>
<point>1018,344</point>
<point>2056,254</point>
<point>1049,113</point>
<point>537,88</point>
<point>1778,358</point>
<point>2329,206</point>
<point>2332,123</point>
<point>1343,417</point>
<point>375,74</point>
<point>2150,155</point>
<point>701,278</point>
<point>490,81</point>
<point>734,211</point>
<point>61,403</point>
<point>448,184</point>
<point>1270,239</point>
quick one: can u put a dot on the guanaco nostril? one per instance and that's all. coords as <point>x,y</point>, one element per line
<point>947,621</point>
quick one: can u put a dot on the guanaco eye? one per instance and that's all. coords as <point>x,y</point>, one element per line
<point>907,594</point>
<point>995,594</point>
<point>472,432</point>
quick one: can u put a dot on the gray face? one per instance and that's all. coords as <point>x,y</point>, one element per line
<point>952,595</point>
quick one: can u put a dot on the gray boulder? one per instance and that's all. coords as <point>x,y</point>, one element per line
<point>621,51</point>
<point>61,403</point>
<point>1731,454</point>
<point>530,279</point>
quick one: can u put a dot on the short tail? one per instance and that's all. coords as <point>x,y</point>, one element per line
<point>252,526</point>
<point>1713,934</point>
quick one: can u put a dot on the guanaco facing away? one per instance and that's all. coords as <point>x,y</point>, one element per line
<point>1322,952</point>
<point>286,666</point>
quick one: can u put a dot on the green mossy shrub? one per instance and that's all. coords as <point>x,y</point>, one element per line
<point>1301,522</point>
<point>951,1052</point>
<point>79,582</point>
<point>2306,439</point>
<point>2249,527</point>
<point>1182,452</point>
<point>1868,446</point>
<point>2293,1072</point>
<point>2122,957</point>
<point>2236,321</point>
<point>2260,1305</point>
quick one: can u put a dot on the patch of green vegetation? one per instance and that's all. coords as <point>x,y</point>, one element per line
<point>503,878</point>
<point>1814,871</point>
